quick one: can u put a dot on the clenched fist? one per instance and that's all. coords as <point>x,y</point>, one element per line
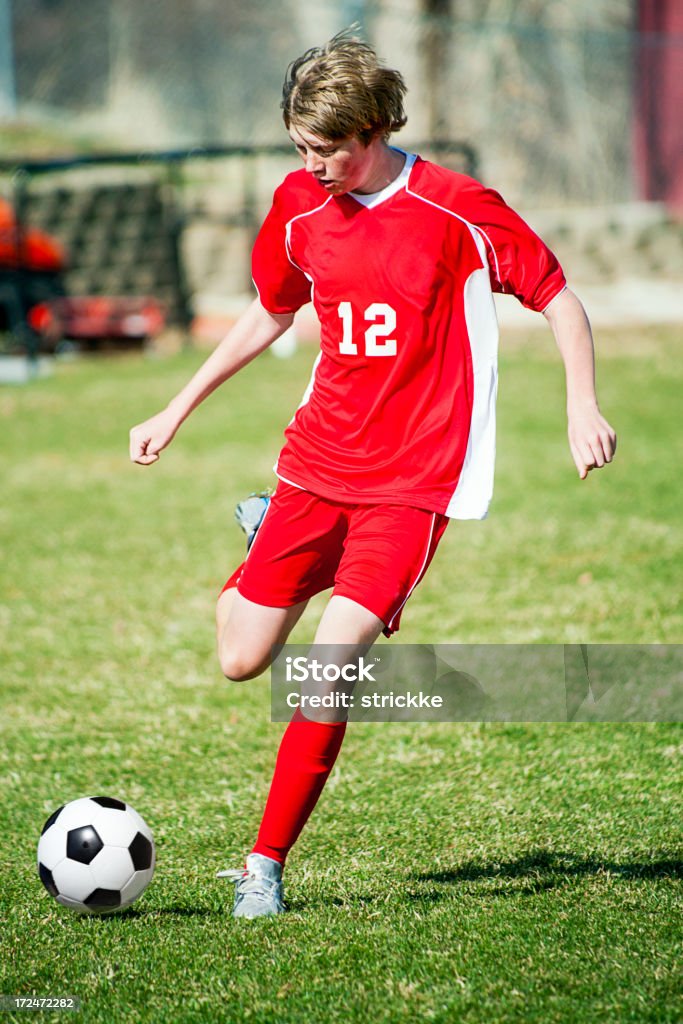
<point>150,438</point>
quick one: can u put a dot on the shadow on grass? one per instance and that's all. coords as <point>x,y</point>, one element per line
<point>547,869</point>
<point>537,871</point>
<point>131,913</point>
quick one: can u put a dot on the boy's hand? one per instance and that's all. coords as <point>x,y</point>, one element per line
<point>592,440</point>
<point>151,437</point>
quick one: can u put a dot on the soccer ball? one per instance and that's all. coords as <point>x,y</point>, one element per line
<point>96,855</point>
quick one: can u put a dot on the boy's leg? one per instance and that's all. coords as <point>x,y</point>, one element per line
<point>307,753</point>
<point>295,550</point>
<point>346,630</point>
<point>392,549</point>
<point>309,749</point>
<point>345,622</point>
<point>246,632</point>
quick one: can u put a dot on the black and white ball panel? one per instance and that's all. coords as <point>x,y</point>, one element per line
<point>96,854</point>
<point>83,844</point>
<point>51,820</point>
<point>109,801</point>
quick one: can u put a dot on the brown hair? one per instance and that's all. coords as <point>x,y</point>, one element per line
<point>341,90</point>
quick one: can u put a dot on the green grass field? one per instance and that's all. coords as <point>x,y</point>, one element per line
<point>455,872</point>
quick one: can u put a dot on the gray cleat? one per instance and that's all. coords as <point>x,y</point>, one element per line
<point>258,887</point>
<point>250,512</point>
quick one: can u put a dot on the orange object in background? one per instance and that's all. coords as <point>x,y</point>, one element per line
<point>29,249</point>
<point>98,317</point>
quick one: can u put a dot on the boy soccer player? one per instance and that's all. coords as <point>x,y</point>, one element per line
<point>395,435</point>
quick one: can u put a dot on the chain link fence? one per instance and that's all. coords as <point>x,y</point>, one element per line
<point>173,225</point>
<point>544,90</point>
<point>547,100</point>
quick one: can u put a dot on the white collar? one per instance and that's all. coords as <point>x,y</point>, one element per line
<point>370,199</point>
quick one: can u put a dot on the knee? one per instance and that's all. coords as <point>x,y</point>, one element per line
<point>239,666</point>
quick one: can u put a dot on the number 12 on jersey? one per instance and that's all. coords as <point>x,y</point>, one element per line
<point>377,342</point>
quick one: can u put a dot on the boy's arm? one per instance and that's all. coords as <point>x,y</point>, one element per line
<point>255,330</point>
<point>592,440</point>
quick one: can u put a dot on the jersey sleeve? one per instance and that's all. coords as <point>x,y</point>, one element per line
<point>282,287</point>
<point>520,263</point>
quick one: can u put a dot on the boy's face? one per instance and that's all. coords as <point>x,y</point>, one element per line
<point>340,166</point>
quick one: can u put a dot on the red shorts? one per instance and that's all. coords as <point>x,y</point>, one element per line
<point>373,554</point>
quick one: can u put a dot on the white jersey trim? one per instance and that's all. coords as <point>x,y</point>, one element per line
<point>258,293</point>
<point>563,289</point>
<point>472,227</point>
<point>371,199</point>
<point>474,490</point>
<point>418,577</point>
<point>286,481</point>
<point>288,235</point>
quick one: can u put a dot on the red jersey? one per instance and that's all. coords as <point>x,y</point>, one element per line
<point>401,403</point>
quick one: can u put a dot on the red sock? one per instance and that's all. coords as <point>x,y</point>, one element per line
<point>305,759</point>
